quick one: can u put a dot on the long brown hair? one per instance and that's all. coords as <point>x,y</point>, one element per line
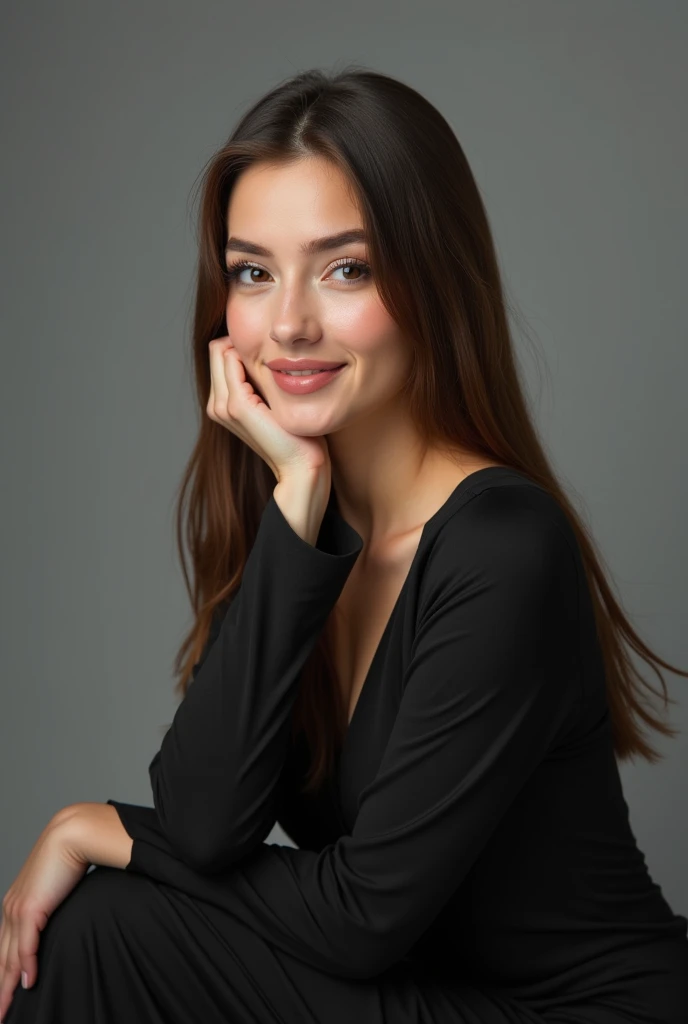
<point>434,262</point>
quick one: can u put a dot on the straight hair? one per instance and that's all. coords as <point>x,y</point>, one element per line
<point>435,266</point>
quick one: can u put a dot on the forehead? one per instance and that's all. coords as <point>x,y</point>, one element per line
<point>288,203</point>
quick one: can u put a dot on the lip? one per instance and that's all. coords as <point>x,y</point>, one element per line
<point>302,364</point>
<point>304,384</point>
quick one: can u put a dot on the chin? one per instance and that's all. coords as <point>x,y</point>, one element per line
<point>303,426</point>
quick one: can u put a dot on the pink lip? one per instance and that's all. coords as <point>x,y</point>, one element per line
<point>304,385</point>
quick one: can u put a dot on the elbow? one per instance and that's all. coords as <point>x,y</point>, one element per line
<point>196,843</point>
<point>210,852</point>
<point>189,828</point>
<point>215,852</point>
<point>208,832</point>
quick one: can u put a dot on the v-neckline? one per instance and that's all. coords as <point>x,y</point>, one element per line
<point>470,479</point>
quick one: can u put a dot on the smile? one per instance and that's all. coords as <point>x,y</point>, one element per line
<point>303,382</point>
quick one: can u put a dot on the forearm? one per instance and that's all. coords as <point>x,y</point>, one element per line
<point>94,832</point>
<point>215,778</point>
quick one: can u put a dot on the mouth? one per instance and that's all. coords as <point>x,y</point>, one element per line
<point>311,372</point>
<point>305,381</point>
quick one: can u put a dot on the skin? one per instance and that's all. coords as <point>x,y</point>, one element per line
<point>48,875</point>
<point>355,434</point>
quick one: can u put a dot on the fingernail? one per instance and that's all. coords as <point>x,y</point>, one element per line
<point>25,982</point>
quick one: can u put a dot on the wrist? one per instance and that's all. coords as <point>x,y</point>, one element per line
<point>302,500</point>
<point>93,833</point>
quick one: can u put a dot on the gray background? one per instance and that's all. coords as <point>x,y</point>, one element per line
<point>571,117</point>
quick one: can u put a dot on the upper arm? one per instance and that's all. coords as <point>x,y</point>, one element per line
<point>216,621</point>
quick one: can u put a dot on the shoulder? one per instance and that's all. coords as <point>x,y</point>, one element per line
<point>513,537</point>
<point>517,523</point>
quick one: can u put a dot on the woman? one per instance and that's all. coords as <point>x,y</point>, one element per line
<point>405,649</point>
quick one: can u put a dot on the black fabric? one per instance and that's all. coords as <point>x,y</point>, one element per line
<point>471,860</point>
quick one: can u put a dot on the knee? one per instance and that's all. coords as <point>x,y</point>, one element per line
<point>105,899</point>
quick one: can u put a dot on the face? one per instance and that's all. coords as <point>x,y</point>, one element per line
<point>287,303</point>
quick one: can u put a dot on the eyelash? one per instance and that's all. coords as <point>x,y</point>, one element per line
<point>234,269</point>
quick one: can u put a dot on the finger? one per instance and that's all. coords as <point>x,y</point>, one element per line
<point>27,947</point>
<point>4,947</point>
<point>219,394</point>
<point>234,373</point>
<point>233,384</point>
<point>218,401</point>
<point>211,348</point>
<point>236,386</point>
<point>239,381</point>
<point>11,976</point>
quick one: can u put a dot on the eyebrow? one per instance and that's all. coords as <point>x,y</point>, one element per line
<point>316,245</point>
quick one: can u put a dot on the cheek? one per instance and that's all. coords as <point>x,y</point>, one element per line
<point>368,332</point>
<point>245,327</point>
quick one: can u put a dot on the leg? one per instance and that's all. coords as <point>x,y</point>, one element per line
<point>123,947</point>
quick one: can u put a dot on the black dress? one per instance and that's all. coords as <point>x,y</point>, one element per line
<point>471,861</point>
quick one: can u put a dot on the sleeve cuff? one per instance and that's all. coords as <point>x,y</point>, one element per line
<point>281,558</point>
<point>141,824</point>
<point>336,538</point>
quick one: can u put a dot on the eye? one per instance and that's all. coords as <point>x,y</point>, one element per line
<point>233,271</point>
<point>345,264</point>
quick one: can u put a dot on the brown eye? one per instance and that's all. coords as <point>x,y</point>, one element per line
<point>358,265</point>
<point>234,269</point>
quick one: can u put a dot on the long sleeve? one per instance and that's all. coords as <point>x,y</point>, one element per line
<point>142,822</point>
<point>492,686</point>
<point>215,779</point>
